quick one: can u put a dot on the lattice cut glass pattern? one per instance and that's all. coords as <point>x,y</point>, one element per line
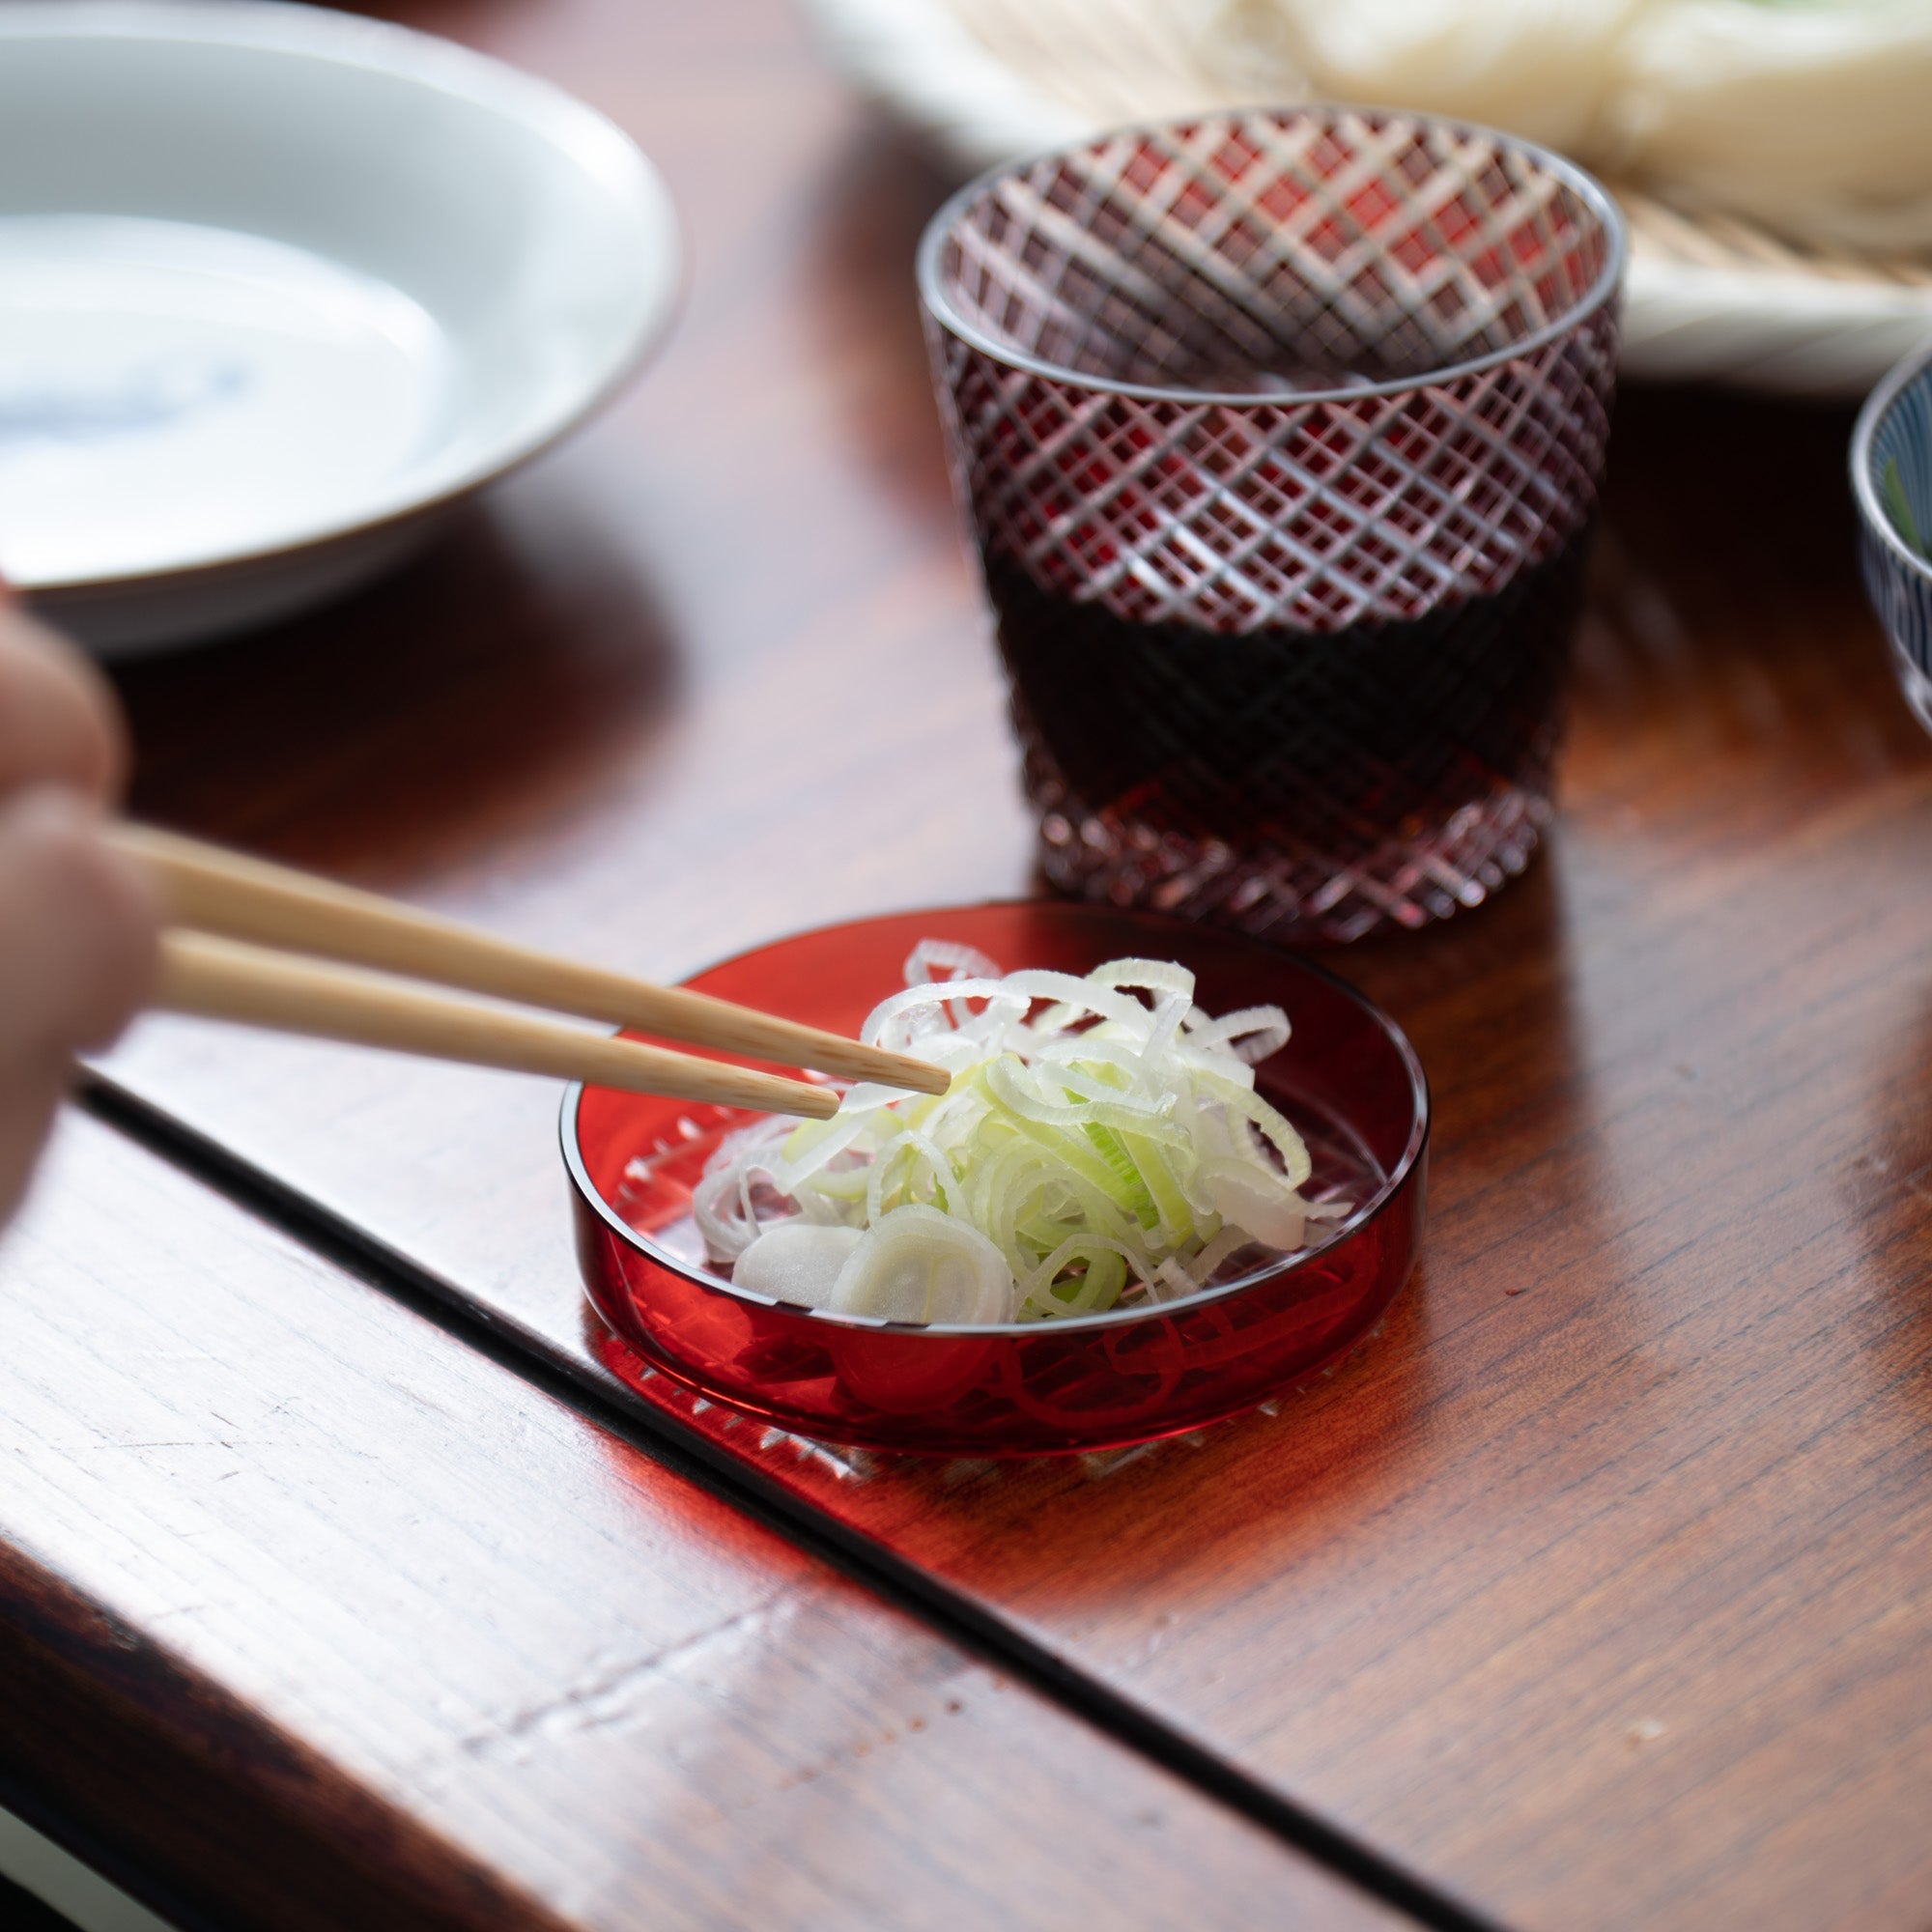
<point>1325,387</point>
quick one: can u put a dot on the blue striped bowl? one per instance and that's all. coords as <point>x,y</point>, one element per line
<point>1891,480</point>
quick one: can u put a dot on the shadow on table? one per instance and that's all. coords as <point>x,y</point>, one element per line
<point>1887,1186</point>
<point>858,266</point>
<point>478,694</point>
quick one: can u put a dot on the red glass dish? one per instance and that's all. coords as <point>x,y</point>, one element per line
<point>1347,1079</point>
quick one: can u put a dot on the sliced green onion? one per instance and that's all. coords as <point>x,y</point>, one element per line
<point>1102,1143</point>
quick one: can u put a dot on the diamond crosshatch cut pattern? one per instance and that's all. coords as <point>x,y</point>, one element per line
<point>1280,434</point>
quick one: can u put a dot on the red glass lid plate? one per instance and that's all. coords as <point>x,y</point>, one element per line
<point>1347,1079</point>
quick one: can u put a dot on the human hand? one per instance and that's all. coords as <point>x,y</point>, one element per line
<point>78,922</point>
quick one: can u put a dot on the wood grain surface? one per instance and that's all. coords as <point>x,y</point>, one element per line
<point>1599,1587</point>
<point>324,1619</point>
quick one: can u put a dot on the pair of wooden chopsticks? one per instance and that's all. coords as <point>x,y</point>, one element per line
<point>236,923</point>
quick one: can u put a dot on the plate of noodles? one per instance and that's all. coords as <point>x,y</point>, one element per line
<point>1175,1173</point>
<point>1774,157</point>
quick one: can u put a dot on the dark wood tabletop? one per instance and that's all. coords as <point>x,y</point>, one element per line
<point>347,1580</point>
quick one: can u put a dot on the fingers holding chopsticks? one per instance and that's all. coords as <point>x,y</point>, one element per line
<point>78,921</point>
<point>58,721</point>
<point>80,948</point>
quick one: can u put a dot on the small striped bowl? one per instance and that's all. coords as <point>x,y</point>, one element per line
<point>1891,481</point>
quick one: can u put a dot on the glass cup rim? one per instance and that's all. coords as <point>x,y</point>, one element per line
<point>1878,405</point>
<point>1584,185</point>
<point>1394,1184</point>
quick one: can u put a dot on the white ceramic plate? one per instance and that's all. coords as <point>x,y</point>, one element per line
<point>278,285</point>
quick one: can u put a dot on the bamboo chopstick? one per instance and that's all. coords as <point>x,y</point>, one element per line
<point>219,979</point>
<point>220,891</point>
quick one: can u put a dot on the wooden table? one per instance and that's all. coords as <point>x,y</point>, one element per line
<point>345,1582</point>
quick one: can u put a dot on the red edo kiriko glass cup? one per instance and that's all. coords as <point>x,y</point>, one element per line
<point>1279,435</point>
